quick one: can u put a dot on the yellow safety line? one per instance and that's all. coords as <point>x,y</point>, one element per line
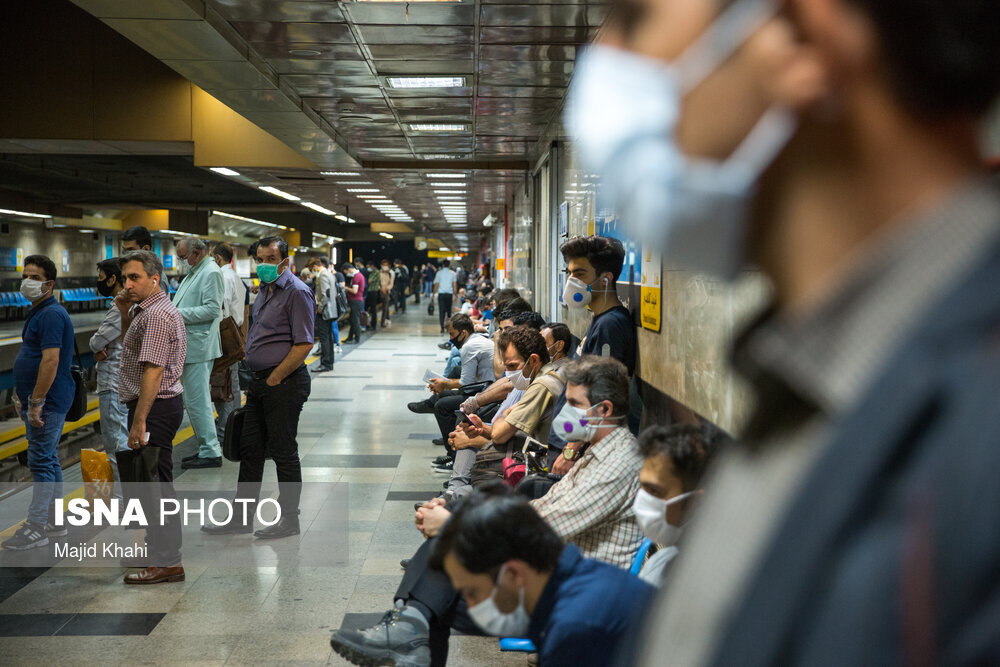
<point>20,445</point>
<point>180,437</point>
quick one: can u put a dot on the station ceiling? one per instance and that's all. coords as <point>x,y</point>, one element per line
<point>333,80</point>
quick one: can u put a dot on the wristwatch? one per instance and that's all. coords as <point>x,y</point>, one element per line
<point>569,454</point>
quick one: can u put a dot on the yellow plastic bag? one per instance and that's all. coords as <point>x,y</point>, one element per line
<point>98,480</point>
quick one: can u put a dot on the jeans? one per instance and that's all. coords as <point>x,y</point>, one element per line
<point>428,287</point>
<point>162,422</point>
<point>273,414</point>
<point>324,331</point>
<point>356,308</point>
<point>335,330</point>
<point>444,306</point>
<point>198,401</point>
<point>226,409</point>
<point>114,431</point>
<point>43,460</point>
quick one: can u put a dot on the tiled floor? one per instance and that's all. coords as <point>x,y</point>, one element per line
<point>355,429</point>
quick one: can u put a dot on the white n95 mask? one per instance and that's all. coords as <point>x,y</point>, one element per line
<point>651,513</point>
<point>573,425</point>
<point>622,112</point>
<point>494,622</point>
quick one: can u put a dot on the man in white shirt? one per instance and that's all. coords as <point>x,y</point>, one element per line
<point>444,287</point>
<point>235,305</point>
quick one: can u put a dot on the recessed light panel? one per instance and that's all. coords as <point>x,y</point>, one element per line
<point>438,127</point>
<point>426,81</point>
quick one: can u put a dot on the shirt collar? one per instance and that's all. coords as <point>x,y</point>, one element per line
<point>283,279</point>
<point>44,303</point>
<point>611,442</point>
<point>569,559</point>
<point>150,300</point>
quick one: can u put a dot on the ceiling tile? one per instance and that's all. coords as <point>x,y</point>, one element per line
<point>416,34</point>
<point>287,33</point>
<point>268,10</point>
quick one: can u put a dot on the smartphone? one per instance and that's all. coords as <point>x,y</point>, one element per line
<point>462,417</point>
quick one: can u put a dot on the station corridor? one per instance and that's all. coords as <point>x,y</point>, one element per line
<point>355,429</point>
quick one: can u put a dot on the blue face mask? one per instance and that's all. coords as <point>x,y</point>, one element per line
<point>487,314</point>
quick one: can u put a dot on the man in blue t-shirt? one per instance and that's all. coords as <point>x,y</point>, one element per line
<point>593,264</point>
<point>45,392</point>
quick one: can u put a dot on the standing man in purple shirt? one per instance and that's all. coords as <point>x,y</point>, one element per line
<point>279,340</point>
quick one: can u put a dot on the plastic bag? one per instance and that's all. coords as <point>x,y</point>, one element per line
<point>98,479</point>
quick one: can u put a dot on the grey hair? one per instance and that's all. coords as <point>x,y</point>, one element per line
<point>193,243</point>
<point>605,378</point>
<point>151,264</point>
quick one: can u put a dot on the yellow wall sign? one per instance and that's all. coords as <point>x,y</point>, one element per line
<point>651,289</point>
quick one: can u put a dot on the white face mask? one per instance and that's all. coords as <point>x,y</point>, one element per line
<point>651,513</point>
<point>694,210</point>
<point>495,622</point>
<point>573,425</point>
<point>32,289</point>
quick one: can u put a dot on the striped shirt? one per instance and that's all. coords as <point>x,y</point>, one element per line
<point>592,505</point>
<point>155,336</point>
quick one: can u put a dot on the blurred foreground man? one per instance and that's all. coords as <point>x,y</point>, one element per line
<point>833,144</point>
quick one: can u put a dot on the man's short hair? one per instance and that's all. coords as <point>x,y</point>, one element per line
<point>605,378</point>
<point>224,250</point>
<point>462,322</point>
<point>512,308</point>
<point>607,255</point>
<point>531,319</point>
<point>47,266</point>
<point>492,527</point>
<point>940,57</point>
<point>268,241</point>
<point>346,266</point>
<point>140,235</point>
<point>561,332</point>
<point>445,264</point>
<point>110,267</point>
<point>690,448</point>
<point>252,250</point>
<point>526,341</point>
<point>325,261</point>
<point>151,264</point>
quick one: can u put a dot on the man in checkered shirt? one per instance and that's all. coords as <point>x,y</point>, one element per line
<point>153,350</point>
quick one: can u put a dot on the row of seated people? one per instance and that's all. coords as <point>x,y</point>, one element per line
<point>549,564</point>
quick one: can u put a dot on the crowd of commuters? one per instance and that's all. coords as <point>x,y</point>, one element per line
<point>829,144</point>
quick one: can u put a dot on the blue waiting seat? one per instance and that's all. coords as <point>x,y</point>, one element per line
<point>20,300</point>
<point>5,300</point>
<point>525,645</point>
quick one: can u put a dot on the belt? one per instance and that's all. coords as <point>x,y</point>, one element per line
<point>262,375</point>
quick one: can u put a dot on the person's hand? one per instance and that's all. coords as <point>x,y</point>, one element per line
<point>431,520</point>
<point>475,426</point>
<point>254,289</point>
<point>562,466</point>
<point>17,406</point>
<point>272,380</point>
<point>436,385</point>
<point>469,405</point>
<point>137,434</point>
<point>459,440</point>
<point>101,356</point>
<point>124,300</point>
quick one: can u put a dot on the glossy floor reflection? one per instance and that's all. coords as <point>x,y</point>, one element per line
<point>355,429</point>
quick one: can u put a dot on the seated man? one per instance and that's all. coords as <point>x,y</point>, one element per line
<point>518,579</point>
<point>524,355</point>
<point>674,460</point>
<point>531,416</point>
<point>591,507</point>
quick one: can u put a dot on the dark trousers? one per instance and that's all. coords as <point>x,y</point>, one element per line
<point>272,420</point>
<point>371,305</point>
<point>431,592</point>
<point>444,305</point>
<point>356,308</point>
<point>444,410</point>
<point>386,302</point>
<point>162,422</point>
<point>401,300</point>
<point>324,331</point>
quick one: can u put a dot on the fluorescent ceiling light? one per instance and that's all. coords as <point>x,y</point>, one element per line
<point>446,175</point>
<point>438,127</point>
<point>439,156</point>
<point>339,173</point>
<point>86,231</point>
<point>447,185</point>
<point>340,217</point>
<point>426,81</point>
<point>318,208</point>
<point>225,171</point>
<point>445,248</point>
<point>23,213</point>
<point>451,198</point>
<point>385,235</point>
<point>245,219</point>
<point>449,192</point>
<point>374,197</point>
<point>362,189</point>
<point>280,193</point>
<point>356,184</point>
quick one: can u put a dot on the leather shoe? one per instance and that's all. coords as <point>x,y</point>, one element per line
<point>199,462</point>
<point>232,528</point>
<point>189,458</point>
<point>285,527</point>
<point>321,369</point>
<point>156,575</point>
<point>438,441</point>
<point>420,407</point>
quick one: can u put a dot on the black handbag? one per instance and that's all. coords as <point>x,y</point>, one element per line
<point>140,465</point>
<point>430,308</point>
<point>234,434</point>
<point>78,408</point>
